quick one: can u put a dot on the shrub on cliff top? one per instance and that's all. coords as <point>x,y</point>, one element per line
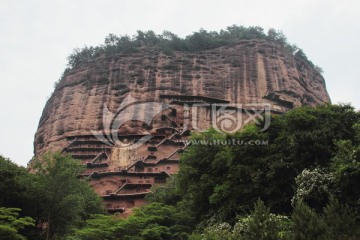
<point>168,42</point>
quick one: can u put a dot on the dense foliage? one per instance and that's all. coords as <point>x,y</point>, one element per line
<point>11,223</point>
<point>53,198</point>
<point>168,42</point>
<point>153,221</point>
<point>229,179</point>
<point>302,184</point>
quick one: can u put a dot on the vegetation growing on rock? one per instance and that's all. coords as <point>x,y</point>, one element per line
<point>167,42</point>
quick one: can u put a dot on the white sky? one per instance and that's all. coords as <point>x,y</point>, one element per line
<point>38,35</point>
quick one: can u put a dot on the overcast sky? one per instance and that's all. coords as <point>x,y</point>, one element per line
<point>38,35</point>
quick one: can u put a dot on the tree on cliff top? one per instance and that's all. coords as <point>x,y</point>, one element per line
<point>168,42</point>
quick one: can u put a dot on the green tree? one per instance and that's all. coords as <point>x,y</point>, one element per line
<point>277,36</point>
<point>65,199</point>
<point>307,224</point>
<point>262,225</point>
<point>12,184</point>
<point>303,138</point>
<point>222,179</point>
<point>19,190</point>
<point>197,176</point>
<point>341,221</point>
<point>168,193</point>
<point>154,221</point>
<point>11,224</point>
<point>346,167</point>
<point>259,225</point>
<point>336,222</point>
<point>98,226</point>
<point>314,187</point>
<point>216,231</point>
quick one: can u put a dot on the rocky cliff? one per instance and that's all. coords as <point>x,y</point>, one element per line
<point>128,117</point>
<point>251,71</point>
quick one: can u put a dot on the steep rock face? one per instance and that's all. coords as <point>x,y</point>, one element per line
<point>100,107</point>
<point>247,72</point>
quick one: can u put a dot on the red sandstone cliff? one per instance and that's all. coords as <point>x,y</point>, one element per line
<point>248,73</point>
